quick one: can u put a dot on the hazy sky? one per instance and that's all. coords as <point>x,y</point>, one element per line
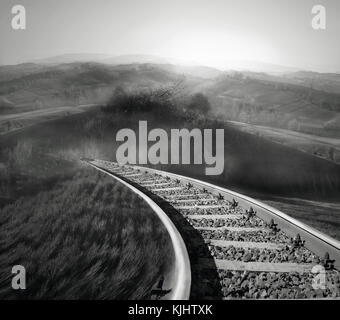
<point>210,32</point>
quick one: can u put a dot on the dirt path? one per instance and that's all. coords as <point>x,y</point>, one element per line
<point>18,121</point>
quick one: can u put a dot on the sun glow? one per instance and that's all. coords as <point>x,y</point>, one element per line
<point>219,50</point>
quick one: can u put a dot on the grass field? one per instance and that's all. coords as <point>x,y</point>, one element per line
<point>323,147</point>
<point>320,215</point>
<point>87,237</point>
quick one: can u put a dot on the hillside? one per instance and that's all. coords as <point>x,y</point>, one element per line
<point>284,101</point>
<point>282,105</point>
<point>32,86</point>
<point>87,236</point>
<point>329,82</point>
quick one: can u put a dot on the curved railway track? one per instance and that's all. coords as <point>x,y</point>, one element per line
<point>238,247</point>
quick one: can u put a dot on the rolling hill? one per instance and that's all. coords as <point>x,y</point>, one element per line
<point>35,86</point>
<point>281,105</point>
<point>279,101</point>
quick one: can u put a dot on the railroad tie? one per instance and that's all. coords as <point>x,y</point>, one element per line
<point>132,175</point>
<point>155,183</point>
<point>203,206</point>
<point>166,189</point>
<point>234,229</point>
<point>183,196</point>
<point>246,244</point>
<point>254,266</point>
<point>214,216</point>
<point>192,200</point>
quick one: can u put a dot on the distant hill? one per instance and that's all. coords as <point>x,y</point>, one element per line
<point>285,101</point>
<point>135,59</point>
<point>239,65</point>
<point>258,66</point>
<point>328,82</point>
<point>19,70</point>
<point>194,71</point>
<point>277,104</point>
<point>107,59</point>
<point>73,57</point>
<point>32,86</point>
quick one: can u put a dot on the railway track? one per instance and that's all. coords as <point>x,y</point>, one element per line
<point>238,247</point>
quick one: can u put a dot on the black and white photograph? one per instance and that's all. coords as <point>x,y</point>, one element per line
<point>183,150</point>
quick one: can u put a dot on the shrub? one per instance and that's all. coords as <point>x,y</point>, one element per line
<point>199,104</point>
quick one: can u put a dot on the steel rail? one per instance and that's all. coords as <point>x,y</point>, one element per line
<point>181,275</point>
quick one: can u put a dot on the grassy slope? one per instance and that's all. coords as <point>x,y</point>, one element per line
<point>255,164</point>
<point>60,206</point>
<point>277,105</point>
<point>323,216</point>
<point>324,147</point>
<point>87,237</point>
<point>74,83</point>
